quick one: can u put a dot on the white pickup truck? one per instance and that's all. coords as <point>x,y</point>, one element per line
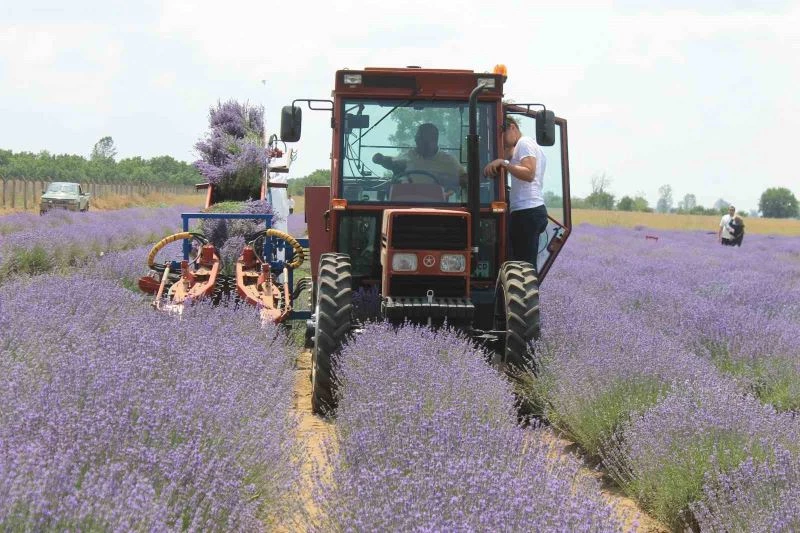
<point>63,195</point>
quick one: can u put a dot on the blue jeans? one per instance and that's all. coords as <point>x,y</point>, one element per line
<point>526,226</point>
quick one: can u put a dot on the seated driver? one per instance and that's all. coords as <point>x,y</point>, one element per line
<point>426,157</point>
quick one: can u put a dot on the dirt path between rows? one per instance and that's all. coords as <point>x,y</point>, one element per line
<point>313,433</point>
<point>626,509</point>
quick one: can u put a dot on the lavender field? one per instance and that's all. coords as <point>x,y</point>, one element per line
<point>674,365</point>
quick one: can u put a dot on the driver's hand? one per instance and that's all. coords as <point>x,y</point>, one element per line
<point>493,168</point>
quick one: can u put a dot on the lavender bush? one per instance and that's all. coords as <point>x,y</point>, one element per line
<point>232,152</point>
<point>635,334</point>
<point>663,455</point>
<point>762,497</point>
<point>78,239</point>
<point>428,440</point>
<point>116,417</point>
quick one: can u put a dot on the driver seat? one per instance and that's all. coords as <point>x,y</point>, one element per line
<point>416,192</point>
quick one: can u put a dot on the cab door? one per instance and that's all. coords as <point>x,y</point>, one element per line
<point>555,186</point>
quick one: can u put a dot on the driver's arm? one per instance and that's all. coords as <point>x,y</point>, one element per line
<point>390,163</point>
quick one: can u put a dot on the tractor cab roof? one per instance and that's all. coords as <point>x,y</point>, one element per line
<point>416,82</point>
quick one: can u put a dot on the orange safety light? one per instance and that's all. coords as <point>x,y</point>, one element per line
<point>339,204</point>
<point>501,69</point>
<point>498,207</point>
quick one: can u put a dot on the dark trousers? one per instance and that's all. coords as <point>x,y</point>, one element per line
<point>526,226</point>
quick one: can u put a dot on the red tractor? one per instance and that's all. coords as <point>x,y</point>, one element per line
<point>432,240</point>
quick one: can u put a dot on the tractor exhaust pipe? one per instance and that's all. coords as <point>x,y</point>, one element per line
<point>473,173</point>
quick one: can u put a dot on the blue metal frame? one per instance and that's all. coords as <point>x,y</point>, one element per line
<point>266,252</point>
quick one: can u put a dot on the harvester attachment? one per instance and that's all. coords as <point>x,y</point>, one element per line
<point>256,280</point>
<point>197,278</point>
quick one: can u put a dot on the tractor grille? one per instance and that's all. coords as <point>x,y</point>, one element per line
<point>429,232</point>
<point>442,286</point>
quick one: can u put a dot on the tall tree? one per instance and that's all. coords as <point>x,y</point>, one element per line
<point>688,203</point>
<point>664,204</point>
<point>104,150</point>
<point>778,202</point>
<point>721,205</point>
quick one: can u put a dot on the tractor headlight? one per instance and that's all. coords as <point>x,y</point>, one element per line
<point>453,263</point>
<point>404,262</point>
<point>352,79</point>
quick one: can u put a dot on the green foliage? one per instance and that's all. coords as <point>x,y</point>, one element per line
<point>667,491</point>
<point>626,204</point>
<point>664,204</point>
<point>451,124</point>
<point>30,261</point>
<point>552,199</point>
<point>104,150</point>
<point>774,380</point>
<point>45,166</point>
<point>600,200</point>
<point>778,202</point>
<point>591,423</point>
<point>318,177</point>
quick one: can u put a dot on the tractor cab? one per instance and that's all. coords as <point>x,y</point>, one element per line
<point>410,213</point>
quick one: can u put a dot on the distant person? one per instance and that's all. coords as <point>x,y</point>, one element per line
<point>291,205</point>
<point>724,234</point>
<point>427,157</point>
<point>526,167</point>
<point>736,229</point>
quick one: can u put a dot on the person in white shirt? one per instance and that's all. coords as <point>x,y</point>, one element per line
<point>291,205</point>
<point>724,234</point>
<point>526,203</point>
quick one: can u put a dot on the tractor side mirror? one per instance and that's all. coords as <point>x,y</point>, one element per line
<point>291,120</point>
<point>545,127</point>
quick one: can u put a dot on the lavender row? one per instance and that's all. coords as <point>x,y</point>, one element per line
<point>116,417</point>
<point>78,239</point>
<point>739,308</point>
<point>428,440</point>
<point>620,374</point>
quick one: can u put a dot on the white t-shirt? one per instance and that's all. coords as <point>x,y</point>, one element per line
<point>726,229</point>
<point>527,194</point>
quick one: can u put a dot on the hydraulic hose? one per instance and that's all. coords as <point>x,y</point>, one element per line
<point>299,255</point>
<point>151,257</point>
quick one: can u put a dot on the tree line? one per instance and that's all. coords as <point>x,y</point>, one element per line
<point>100,167</point>
<point>776,202</point>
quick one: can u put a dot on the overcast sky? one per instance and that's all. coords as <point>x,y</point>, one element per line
<point>701,95</point>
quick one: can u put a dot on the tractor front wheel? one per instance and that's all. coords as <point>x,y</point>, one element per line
<point>334,304</point>
<point>516,312</point>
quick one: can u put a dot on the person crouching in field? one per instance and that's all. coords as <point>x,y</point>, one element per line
<point>736,228</point>
<point>724,234</point>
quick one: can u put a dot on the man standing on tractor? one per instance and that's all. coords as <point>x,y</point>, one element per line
<point>426,158</point>
<point>528,212</point>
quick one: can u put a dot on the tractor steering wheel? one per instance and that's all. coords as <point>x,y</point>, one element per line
<point>396,177</point>
<point>299,255</point>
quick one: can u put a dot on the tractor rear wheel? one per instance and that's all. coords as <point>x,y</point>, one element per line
<point>333,307</point>
<point>516,312</point>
